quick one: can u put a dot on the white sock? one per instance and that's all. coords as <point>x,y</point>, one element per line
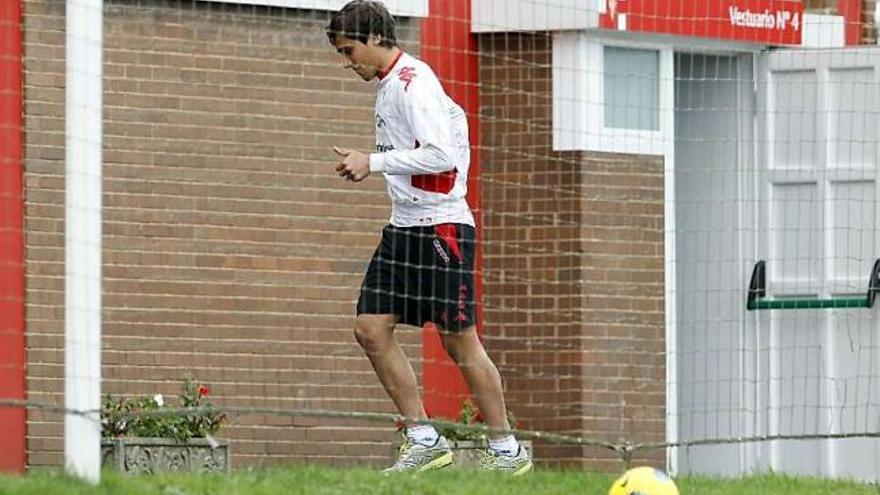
<point>422,434</point>
<point>507,446</point>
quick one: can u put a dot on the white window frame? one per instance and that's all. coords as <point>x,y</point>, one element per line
<point>404,8</point>
<point>579,97</point>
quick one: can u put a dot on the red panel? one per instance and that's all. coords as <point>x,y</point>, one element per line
<point>772,22</point>
<point>439,183</point>
<point>449,47</point>
<point>449,233</point>
<point>12,384</point>
<point>851,10</point>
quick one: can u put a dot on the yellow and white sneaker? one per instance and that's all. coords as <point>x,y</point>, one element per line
<point>415,457</point>
<point>516,465</point>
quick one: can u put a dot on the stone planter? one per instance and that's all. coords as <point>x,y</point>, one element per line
<point>158,455</point>
<point>466,453</point>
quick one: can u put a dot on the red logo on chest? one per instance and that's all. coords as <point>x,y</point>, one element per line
<point>407,74</point>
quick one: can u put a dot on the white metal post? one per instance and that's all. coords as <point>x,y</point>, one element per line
<point>82,302</point>
<point>670,262</point>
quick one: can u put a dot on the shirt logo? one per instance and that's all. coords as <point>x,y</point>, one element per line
<point>407,74</point>
<point>380,122</point>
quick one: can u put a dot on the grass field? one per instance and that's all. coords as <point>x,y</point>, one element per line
<point>320,481</point>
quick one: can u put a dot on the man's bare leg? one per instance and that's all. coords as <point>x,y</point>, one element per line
<point>375,334</point>
<point>505,453</point>
<point>425,448</point>
<point>480,373</point>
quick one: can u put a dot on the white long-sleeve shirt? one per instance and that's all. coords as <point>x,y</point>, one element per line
<point>422,147</point>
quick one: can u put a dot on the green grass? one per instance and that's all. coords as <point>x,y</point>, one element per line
<point>321,481</point>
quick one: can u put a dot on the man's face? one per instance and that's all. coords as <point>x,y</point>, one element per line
<point>357,56</point>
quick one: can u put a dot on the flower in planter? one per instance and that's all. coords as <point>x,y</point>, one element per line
<point>154,417</point>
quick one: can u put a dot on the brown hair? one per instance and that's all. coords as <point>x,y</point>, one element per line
<point>361,18</point>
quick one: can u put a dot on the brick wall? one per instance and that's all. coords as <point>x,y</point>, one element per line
<point>823,6</point>
<point>231,250</point>
<point>869,24</point>
<point>573,267</point>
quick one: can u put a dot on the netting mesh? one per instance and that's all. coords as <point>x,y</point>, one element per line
<point>626,167</point>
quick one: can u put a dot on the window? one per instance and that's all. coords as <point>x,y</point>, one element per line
<point>612,96</point>
<point>632,88</point>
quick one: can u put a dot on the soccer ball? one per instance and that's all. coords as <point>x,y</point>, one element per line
<point>643,481</point>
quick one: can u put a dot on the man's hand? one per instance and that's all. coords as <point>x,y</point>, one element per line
<point>353,165</point>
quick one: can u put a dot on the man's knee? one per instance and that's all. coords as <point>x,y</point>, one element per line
<point>372,333</point>
<point>460,344</point>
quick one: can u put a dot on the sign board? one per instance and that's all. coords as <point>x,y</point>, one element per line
<point>767,22</point>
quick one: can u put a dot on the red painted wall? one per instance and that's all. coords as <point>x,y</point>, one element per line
<point>449,47</point>
<point>851,10</point>
<point>12,420</point>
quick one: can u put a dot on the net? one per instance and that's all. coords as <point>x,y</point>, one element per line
<point>629,166</point>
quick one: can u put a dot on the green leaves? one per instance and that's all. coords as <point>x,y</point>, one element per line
<point>155,417</point>
<point>470,419</point>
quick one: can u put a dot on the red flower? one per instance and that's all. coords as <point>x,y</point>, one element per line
<point>203,390</point>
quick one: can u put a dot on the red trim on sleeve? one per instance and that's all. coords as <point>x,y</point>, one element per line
<point>439,183</point>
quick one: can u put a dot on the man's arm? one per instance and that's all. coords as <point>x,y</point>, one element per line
<point>424,107</point>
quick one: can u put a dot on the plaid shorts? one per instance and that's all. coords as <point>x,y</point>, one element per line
<point>423,274</point>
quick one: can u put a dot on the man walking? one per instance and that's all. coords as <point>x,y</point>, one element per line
<point>422,270</point>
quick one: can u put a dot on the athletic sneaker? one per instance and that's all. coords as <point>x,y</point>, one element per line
<point>516,465</point>
<point>415,457</point>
